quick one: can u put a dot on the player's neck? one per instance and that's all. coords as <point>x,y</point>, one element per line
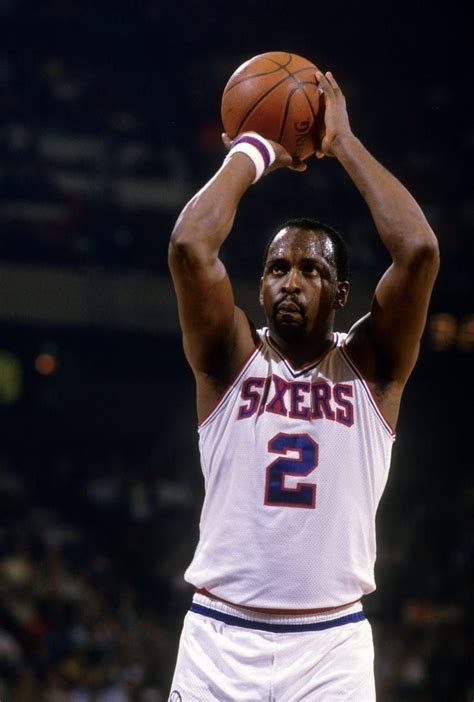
<point>302,352</point>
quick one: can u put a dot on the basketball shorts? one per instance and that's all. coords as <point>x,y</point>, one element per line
<point>231,654</point>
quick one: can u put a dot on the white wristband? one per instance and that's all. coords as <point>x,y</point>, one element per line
<point>258,149</point>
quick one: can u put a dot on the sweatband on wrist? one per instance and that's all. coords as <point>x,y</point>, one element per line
<point>258,149</point>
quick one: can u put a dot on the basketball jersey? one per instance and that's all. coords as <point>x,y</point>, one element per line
<point>294,464</point>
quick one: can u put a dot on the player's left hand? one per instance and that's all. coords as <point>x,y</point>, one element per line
<point>336,119</point>
<point>282,158</point>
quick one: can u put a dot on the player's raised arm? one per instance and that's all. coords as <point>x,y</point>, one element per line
<point>385,344</point>
<point>217,335</point>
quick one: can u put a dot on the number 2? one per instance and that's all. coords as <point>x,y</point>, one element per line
<point>303,494</point>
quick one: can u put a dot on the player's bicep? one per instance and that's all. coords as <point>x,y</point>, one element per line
<point>389,338</point>
<point>209,320</point>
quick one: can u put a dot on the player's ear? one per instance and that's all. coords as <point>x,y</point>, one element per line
<point>342,294</point>
<point>261,292</point>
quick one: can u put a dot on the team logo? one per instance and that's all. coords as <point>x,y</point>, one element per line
<point>175,697</point>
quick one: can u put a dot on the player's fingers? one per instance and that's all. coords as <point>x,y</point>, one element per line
<point>324,85</point>
<point>319,86</point>
<point>299,166</point>
<point>226,141</point>
<point>332,81</point>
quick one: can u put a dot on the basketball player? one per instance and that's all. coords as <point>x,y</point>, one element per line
<point>296,430</point>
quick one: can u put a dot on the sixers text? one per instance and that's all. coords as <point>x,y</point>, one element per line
<point>319,399</point>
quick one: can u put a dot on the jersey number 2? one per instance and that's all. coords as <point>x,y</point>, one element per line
<point>301,465</point>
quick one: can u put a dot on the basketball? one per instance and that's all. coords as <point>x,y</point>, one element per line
<point>276,95</point>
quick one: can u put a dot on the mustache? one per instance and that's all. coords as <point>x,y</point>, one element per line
<point>289,301</point>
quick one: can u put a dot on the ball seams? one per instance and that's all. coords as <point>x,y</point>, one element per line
<point>281,65</point>
<point>258,101</point>
<point>285,113</point>
<point>291,74</point>
<point>309,100</point>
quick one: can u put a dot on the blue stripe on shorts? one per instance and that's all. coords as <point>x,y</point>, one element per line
<point>276,628</point>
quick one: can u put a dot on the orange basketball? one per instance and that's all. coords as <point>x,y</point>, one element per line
<point>276,95</point>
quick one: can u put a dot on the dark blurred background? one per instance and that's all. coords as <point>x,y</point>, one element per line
<point>109,122</point>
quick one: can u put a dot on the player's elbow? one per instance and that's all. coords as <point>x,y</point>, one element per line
<point>181,250</point>
<point>186,247</point>
<point>428,249</point>
<point>424,254</point>
<point>197,236</point>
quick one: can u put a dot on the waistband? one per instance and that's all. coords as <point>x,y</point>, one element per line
<point>275,623</point>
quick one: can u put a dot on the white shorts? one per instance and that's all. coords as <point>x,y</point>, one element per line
<point>231,654</point>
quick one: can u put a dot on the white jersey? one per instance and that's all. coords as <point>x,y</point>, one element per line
<point>295,463</point>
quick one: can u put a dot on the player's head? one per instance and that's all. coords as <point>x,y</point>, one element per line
<point>339,249</point>
<point>304,278</point>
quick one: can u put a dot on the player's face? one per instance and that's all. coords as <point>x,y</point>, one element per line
<point>299,288</point>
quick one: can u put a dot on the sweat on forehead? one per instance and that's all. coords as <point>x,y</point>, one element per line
<point>313,242</point>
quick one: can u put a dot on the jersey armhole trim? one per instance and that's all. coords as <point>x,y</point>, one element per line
<point>225,395</point>
<point>372,399</point>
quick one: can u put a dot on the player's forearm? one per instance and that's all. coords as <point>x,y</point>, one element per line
<point>398,218</point>
<point>207,219</point>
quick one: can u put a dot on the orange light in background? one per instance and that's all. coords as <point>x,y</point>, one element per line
<point>46,363</point>
<point>442,330</point>
<point>447,331</point>
<point>466,333</point>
